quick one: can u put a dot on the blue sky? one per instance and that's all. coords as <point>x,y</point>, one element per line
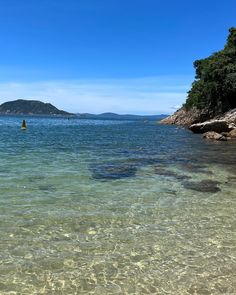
<point>108,55</point>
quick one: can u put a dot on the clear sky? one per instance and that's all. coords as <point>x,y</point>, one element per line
<point>124,56</point>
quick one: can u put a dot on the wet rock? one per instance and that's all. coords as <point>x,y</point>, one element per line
<point>206,186</point>
<point>113,171</point>
<point>214,136</point>
<point>232,133</point>
<point>213,125</point>
<point>226,134</point>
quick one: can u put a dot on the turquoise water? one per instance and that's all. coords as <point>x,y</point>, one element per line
<point>115,207</point>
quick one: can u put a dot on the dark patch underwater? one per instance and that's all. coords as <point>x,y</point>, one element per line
<point>206,186</point>
<point>113,171</point>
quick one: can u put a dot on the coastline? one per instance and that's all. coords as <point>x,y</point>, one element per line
<point>220,127</point>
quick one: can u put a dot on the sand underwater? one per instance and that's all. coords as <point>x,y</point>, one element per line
<point>115,207</point>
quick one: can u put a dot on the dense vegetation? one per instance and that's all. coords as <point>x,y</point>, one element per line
<point>214,88</point>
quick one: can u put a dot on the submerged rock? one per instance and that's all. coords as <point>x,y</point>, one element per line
<point>113,171</point>
<point>206,186</point>
<point>214,136</point>
<point>165,172</point>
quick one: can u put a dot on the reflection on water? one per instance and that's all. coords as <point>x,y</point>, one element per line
<point>114,207</point>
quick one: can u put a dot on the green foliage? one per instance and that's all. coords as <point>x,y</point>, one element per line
<point>214,87</point>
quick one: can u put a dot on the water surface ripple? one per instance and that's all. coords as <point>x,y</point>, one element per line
<point>115,207</point>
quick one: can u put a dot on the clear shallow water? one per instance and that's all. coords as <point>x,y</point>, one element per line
<point>114,207</point>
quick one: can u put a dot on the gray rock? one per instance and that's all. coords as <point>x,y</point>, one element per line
<point>226,134</point>
<point>183,117</point>
<point>214,125</point>
<point>214,136</point>
<point>229,116</point>
<point>232,133</point>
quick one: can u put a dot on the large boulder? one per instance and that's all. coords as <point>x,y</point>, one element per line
<point>214,136</point>
<point>232,133</point>
<point>213,125</point>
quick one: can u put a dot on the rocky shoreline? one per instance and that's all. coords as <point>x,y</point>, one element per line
<point>221,127</point>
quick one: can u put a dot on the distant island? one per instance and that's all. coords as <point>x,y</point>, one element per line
<point>30,107</point>
<point>113,116</point>
<point>36,107</point>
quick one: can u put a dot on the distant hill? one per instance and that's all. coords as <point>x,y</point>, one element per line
<point>30,107</point>
<point>113,116</point>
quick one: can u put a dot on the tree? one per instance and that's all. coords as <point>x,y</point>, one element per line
<point>214,88</point>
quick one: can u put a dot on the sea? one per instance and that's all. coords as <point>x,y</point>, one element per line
<point>115,207</point>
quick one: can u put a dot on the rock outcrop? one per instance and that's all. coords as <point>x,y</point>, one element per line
<point>213,125</point>
<point>214,136</point>
<point>232,133</point>
<point>182,117</point>
<point>229,116</point>
<point>224,125</point>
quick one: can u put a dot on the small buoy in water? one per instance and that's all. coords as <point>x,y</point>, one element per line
<point>23,126</point>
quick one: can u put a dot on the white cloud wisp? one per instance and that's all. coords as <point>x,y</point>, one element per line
<point>151,95</point>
